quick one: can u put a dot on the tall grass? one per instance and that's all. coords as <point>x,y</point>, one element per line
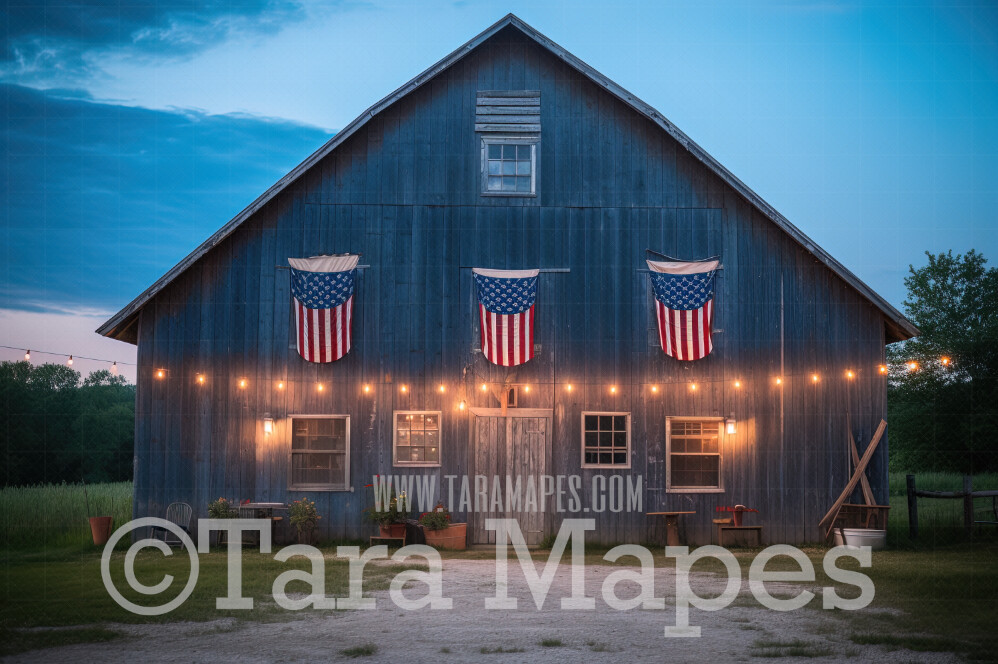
<point>55,515</point>
<point>940,520</point>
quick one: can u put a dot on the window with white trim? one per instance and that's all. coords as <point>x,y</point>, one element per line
<point>606,440</point>
<point>417,438</point>
<point>509,166</point>
<point>320,452</point>
<point>693,454</point>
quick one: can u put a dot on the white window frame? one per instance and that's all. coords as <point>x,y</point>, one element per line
<point>440,444</point>
<point>317,487</point>
<point>531,140</point>
<point>720,454</point>
<point>582,440</point>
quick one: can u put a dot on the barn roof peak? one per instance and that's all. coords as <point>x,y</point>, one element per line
<point>120,326</point>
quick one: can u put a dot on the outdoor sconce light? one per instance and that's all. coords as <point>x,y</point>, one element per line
<point>730,425</point>
<point>268,424</point>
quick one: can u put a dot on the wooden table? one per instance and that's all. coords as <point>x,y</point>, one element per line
<point>262,511</point>
<point>671,526</point>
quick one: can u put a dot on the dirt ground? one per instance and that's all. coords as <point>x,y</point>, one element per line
<point>745,631</point>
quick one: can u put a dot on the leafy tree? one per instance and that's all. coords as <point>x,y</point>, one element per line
<point>55,428</point>
<point>944,409</point>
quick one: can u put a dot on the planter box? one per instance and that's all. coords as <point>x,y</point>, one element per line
<point>394,530</point>
<point>454,537</point>
<point>100,528</point>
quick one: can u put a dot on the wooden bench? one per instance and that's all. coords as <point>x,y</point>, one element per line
<point>725,528</point>
<point>376,539</point>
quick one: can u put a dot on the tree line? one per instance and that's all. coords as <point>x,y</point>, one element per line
<point>57,427</point>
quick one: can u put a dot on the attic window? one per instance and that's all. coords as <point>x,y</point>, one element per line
<point>509,167</point>
<point>510,124</point>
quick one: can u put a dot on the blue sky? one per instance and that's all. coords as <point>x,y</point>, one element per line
<point>131,131</point>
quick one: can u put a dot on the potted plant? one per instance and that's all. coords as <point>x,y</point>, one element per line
<point>391,518</point>
<point>440,532</point>
<point>100,526</point>
<point>304,517</point>
<point>223,508</point>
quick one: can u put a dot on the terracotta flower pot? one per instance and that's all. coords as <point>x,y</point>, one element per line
<point>393,530</point>
<point>454,537</point>
<point>100,528</point>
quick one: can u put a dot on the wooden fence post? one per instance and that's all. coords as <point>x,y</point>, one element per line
<point>968,504</point>
<point>912,508</point>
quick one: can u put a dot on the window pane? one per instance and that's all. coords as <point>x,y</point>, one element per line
<point>679,428</point>
<point>592,438</point>
<point>605,439</point>
<point>416,438</point>
<point>509,168</point>
<point>591,422</point>
<point>431,438</point>
<point>509,152</point>
<point>605,422</point>
<point>509,184</point>
<point>605,457</point>
<point>523,168</point>
<point>495,184</point>
<point>402,439</point>
<point>495,151</point>
<point>710,445</point>
<point>495,167</point>
<point>523,151</point>
<point>592,457</point>
<point>619,423</point>
<point>620,458</point>
<point>430,422</point>
<point>401,422</point>
<point>620,439</point>
<point>523,184</point>
<point>433,454</point>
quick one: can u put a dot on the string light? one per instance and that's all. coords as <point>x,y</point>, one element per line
<point>69,362</point>
<point>779,381</point>
<point>27,355</point>
<point>654,389</point>
<point>613,389</point>
<point>485,388</point>
<point>114,368</point>
<point>738,384</point>
<point>913,366</point>
<point>882,369</point>
<point>242,383</point>
<point>442,388</point>
<point>200,379</point>
<point>568,387</point>
<point>814,378</point>
<point>367,389</point>
<point>526,388</point>
<point>280,384</point>
<point>693,387</point>
<point>29,352</point>
<point>160,373</point>
<point>850,374</point>
<point>945,361</point>
<point>462,405</point>
<point>320,387</point>
<point>403,389</point>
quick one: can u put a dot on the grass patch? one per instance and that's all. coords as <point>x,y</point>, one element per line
<point>498,650</point>
<point>365,650</point>
<point>54,516</point>
<point>794,648</point>
<point>13,641</point>
<point>551,643</point>
<point>445,650</point>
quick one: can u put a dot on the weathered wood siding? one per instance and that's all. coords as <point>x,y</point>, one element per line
<point>404,192</point>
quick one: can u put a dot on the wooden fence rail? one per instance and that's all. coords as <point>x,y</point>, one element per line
<point>968,494</point>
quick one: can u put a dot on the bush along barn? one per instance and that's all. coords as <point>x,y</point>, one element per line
<point>511,266</point>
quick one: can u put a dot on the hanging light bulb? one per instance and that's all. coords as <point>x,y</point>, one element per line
<point>568,387</point>
<point>654,389</point>
<point>779,381</point>
<point>27,355</point>
<point>485,388</point>
<point>738,384</point>
<point>814,378</point>
<point>526,388</point>
<point>69,362</point>
<point>403,389</point>
<point>613,389</point>
<point>882,368</point>
<point>280,384</point>
<point>693,387</point>
<point>913,366</point>
<point>160,374</point>
<point>114,368</point>
<point>945,361</point>
<point>200,379</point>
<point>442,388</point>
<point>367,389</point>
<point>462,405</point>
<point>242,383</point>
<point>850,374</point>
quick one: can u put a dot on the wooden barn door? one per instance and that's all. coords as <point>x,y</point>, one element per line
<point>518,445</point>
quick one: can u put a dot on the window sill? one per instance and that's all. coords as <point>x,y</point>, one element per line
<point>319,487</point>
<point>604,466</point>
<point>416,465</point>
<point>695,490</point>
<point>508,194</point>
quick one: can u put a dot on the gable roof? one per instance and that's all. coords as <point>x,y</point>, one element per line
<point>121,325</point>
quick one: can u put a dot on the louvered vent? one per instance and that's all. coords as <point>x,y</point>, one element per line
<point>510,111</point>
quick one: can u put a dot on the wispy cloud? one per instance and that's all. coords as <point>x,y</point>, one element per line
<point>51,42</point>
<point>99,200</point>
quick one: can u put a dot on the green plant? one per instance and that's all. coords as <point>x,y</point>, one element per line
<point>365,650</point>
<point>397,510</point>
<point>435,520</point>
<point>222,509</point>
<point>551,643</point>
<point>303,515</point>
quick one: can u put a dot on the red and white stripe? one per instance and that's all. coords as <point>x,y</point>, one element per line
<point>685,335</point>
<point>324,335</point>
<point>507,339</point>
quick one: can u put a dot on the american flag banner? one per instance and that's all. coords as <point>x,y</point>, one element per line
<point>684,306</point>
<point>506,314</point>
<point>322,299</point>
